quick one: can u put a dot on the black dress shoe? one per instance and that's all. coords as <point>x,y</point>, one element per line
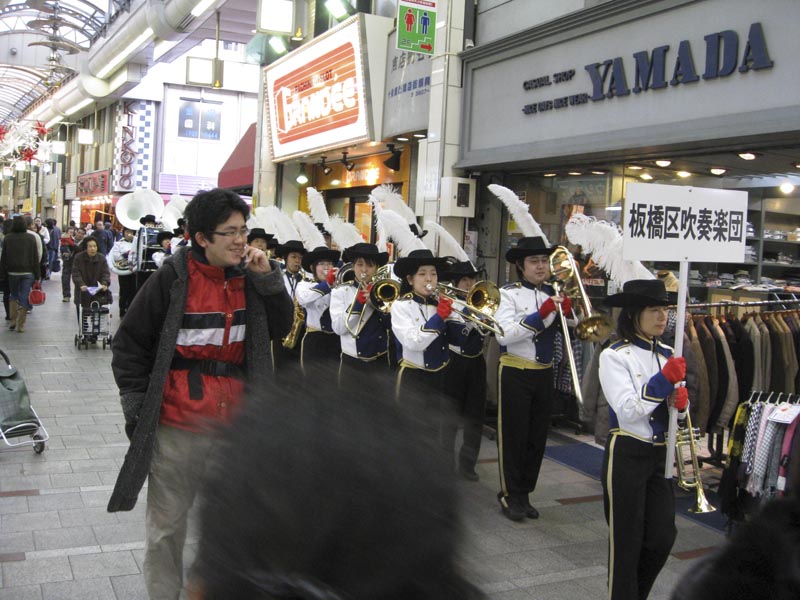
<point>512,509</point>
<point>530,511</point>
<point>468,474</point>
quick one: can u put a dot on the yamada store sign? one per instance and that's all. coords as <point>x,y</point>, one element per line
<point>315,97</point>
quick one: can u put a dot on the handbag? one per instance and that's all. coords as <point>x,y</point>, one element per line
<point>37,296</point>
<point>56,267</point>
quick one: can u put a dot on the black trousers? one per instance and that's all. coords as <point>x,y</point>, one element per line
<point>465,386</point>
<point>127,290</point>
<point>66,278</point>
<point>422,393</point>
<point>640,509</point>
<point>355,373</point>
<point>523,418</point>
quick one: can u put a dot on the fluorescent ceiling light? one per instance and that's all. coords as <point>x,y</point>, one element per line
<point>717,171</point>
<point>82,104</point>
<point>201,7</point>
<point>276,16</point>
<point>786,187</point>
<point>663,163</point>
<point>635,167</point>
<point>747,156</point>
<point>125,54</point>
<point>599,172</point>
<point>549,175</point>
<point>335,182</point>
<point>646,176</point>
<point>574,173</point>
<point>402,139</point>
<point>684,174</point>
<point>419,135</point>
<point>336,8</point>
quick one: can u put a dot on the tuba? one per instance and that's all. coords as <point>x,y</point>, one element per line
<point>132,207</point>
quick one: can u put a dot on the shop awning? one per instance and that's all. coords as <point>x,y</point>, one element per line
<point>237,172</point>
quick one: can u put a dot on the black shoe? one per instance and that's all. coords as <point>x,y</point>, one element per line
<point>511,507</point>
<point>530,511</point>
<point>468,473</point>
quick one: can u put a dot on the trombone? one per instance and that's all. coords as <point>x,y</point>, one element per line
<point>482,300</point>
<point>382,287</point>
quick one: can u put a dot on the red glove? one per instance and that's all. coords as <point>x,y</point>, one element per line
<point>546,308</point>
<point>361,297</point>
<point>445,307</point>
<point>331,276</point>
<point>675,369</point>
<point>566,306</point>
<point>681,398</point>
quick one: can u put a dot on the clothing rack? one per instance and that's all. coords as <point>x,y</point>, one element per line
<point>727,303</point>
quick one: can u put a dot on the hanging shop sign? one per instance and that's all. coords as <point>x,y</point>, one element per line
<point>93,184</point>
<point>624,83</point>
<point>133,145</point>
<point>318,96</point>
<point>679,223</point>
<point>407,95</point>
<point>416,26</point>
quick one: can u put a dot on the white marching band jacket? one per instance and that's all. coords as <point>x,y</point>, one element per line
<point>424,337</point>
<point>526,334</point>
<point>636,400</point>
<point>316,299</point>
<point>371,340</point>
<point>119,251</point>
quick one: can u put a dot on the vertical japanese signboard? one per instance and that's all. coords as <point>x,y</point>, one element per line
<point>677,223</point>
<point>416,26</point>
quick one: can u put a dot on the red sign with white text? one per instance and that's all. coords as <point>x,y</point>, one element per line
<point>93,184</point>
<point>316,95</point>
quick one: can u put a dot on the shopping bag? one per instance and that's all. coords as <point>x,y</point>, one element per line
<point>36,295</point>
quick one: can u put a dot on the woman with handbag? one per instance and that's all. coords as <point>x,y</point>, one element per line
<point>20,264</point>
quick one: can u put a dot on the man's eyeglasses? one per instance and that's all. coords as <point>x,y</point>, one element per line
<point>233,233</point>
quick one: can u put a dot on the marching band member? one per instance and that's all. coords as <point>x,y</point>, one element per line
<point>119,261</point>
<point>424,326</point>
<point>286,358</point>
<point>258,238</point>
<point>527,314</point>
<point>292,253</point>
<point>638,376</point>
<point>363,330</point>
<point>319,343</point>
<point>465,377</point>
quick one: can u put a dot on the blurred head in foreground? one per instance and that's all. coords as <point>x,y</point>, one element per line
<point>328,495</point>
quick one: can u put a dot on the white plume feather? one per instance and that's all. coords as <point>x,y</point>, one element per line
<point>448,246</point>
<point>281,223</point>
<point>342,233</point>
<point>317,208</point>
<point>311,236</point>
<point>397,231</point>
<point>520,211</point>
<point>392,200</point>
<point>603,240</point>
<point>380,231</point>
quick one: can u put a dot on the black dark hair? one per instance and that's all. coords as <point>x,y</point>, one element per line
<point>18,224</point>
<point>207,210</point>
<point>626,322</point>
<point>325,521</point>
<point>90,240</point>
<point>406,287</point>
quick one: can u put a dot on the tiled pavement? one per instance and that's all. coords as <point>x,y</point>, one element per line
<point>58,542</point>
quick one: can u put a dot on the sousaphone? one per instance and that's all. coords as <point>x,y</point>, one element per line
<point>172,212</point>
<point>132,207</point>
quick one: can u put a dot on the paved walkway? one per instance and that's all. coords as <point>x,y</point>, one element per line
<point>58,542</point>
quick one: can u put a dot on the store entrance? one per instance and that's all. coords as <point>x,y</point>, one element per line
<point>352,204</point>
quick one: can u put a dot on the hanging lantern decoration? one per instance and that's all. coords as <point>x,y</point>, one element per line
<point>41,130</point>
<point>27,154</point>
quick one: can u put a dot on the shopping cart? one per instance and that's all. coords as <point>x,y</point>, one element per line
<point>93,323</point>
<point>17,417</point>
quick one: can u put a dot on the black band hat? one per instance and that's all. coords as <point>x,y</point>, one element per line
<point>364,250</point>
<point>529,246</point>
<point>148,219</point>
<point>317,254</point>
<point>638,293</point>
<point>178,232</point>
<point>283,250</point>
<point>457,270</point>
<point>165,235</point>
<point>408,265</point>
<point>273,243</point>
<point>259,234</point>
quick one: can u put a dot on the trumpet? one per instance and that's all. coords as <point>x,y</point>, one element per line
<point>689,479</point>
<point>482,300</point>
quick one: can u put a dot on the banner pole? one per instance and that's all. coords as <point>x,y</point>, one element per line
<point>680,323</point>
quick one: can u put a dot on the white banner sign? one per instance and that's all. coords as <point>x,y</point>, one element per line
<point>676,223</point>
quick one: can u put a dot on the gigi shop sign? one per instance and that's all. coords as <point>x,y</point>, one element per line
<point>724,56</point>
